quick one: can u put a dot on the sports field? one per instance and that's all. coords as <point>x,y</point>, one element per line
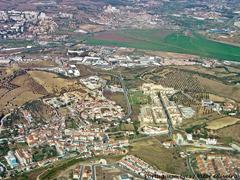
<point>164,40</point>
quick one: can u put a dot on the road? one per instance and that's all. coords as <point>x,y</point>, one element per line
<point>169,120</point>
<point>190,166</point>
<point>81,172</point>
<point>94,176</point>
<point>125,91</point>
<point>126,97</point>
<point>213,147</point>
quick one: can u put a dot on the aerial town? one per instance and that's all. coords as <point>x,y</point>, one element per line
<point>119,90</point>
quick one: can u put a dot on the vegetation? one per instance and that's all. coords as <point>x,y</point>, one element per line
<point>222,122</point>
<point>49,174</point>
<point>153,153</point>
<point>71,123</point>
<point>137,97</point>
<point>4,148</point>
<point>15,43</point>
<point>190,43</point>
<point>44,152</point>
<point>198,131</point>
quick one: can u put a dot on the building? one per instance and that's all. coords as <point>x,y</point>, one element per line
<point>11,159</point>
<point>24,157</point>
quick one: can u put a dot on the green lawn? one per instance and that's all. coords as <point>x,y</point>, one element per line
<point>138,98</point>
<point>173,42</point>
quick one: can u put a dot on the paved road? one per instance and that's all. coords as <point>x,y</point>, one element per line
<point>94,176</point>
<point>81,172</point>
<point>126,97</point>
<point>125,91</point>
<point>169,120</point>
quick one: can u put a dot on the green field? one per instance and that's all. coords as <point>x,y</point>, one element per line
<point>15,43</point>
<point>162,40</point>
<point>138,98</point>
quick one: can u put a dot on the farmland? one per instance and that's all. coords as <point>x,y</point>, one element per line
<point>222,122</point>
<point>192,81</point>
<point>164,40</point>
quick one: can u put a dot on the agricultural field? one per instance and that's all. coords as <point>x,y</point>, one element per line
<point>221,123</point>
<point>31,85</point>
<point>217,98</point>
<point>159,157</point>
<point>219,88</point>
<point>176,78</point>
<point>191,81</point>
<point>217,72</point>
<point>165,40</point>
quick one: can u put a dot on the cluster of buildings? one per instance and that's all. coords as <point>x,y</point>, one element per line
<point>127,16</point>
<point>24,24</point>
<point>93,106</point>
<point>112,57</point>
<point>187,139</point>
<point>218,166</point>
<point>143,169</point>
<point>161,109</point>
<point>69,70</point>
<point>87,139</point>
<point>105,58</point>
<point>22,159</point>
<point>93,82</point>
<point>227,107</point>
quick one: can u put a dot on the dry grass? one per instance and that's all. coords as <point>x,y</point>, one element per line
<point>217,98</point>
<point>153,153</point>
<point>169,54</point>
<point>218,72</point>
<point>230,131</point>
<point>220,89</point>
<point>53,83</point>
<point>38,64</point>
<point>222,122</point>
<point>28,90</point>
<point>91,27</point>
